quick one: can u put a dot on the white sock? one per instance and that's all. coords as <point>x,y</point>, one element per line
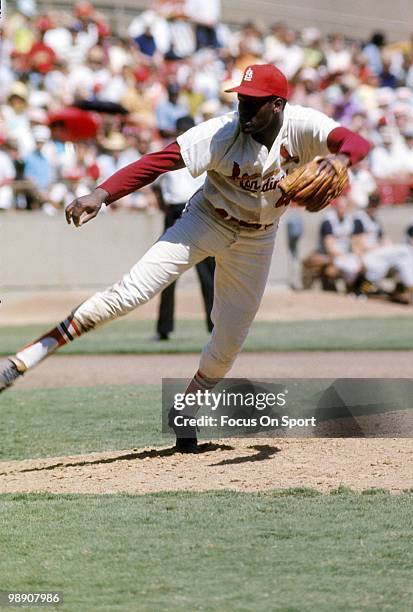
<point>66,331</point>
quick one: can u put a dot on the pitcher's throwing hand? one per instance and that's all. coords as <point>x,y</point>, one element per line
<point>85,208</point>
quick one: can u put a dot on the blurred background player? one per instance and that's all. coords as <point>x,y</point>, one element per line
<point>174,189</point>
<point>334,258</point>
<point>380,257</point>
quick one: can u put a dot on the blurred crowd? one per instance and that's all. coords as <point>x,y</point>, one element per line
<point>176,60</point>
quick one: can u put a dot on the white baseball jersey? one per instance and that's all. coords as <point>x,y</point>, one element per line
<point>242,175</point>
<point>369,227</point>
<point>341,229</point>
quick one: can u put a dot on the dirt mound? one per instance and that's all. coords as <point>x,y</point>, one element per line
<point>241,465</point>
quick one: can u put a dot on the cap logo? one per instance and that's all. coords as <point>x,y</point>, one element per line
<point>248,74</point>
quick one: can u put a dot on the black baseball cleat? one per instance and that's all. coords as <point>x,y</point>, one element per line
<point>187,445</point>
<point>8,373</point>
<point>364,288</point>
<point>402,294</point>
<point>186,438</point>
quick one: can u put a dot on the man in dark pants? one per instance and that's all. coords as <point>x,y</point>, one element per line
<point>174,190</point>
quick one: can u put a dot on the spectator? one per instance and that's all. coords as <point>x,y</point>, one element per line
<point>169,111</point>
<point>372,51</point>
<point>61,37</point>
<point>11,147</point>
<point>388,158</point>
<point>274,42</point>
<point>7,175</point>
<point>387,78</point>
<point>19,184</point>
<point>314,55</point>
<point>146,42</point>
<point>79,174</point>
<point>248,43</point>
<point>16,118</point>
<point>91,82</point>
<point>136,144</point>
<point>307,90</point>
<point>193,99</point>
<point>409,72</point>
<point>39,170</point>
<point>205,16</point>
<point>338,55</point>
<point>207,71</point>
<point>57,83</point>
<point>121,53</point>
<point>83,164</point>
<point>293,55</point>
<point>286,53</point>
<point>111,148</point>
<point>363,185</point>
<point>182,36</point>
<point>114,154</point>
<point>139,99</point>
<point>159,26</point>
<point>6,74</point>
<point>41,57</point>
<point>19,25</point>
<point>408,152</point>
<point>87,20</point>
<point>144,199</point>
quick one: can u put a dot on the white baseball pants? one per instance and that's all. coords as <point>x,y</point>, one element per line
<point>349,265</point>
<point>243,258</point>
<point>379,261</point>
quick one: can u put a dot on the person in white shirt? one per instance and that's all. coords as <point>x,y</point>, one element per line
<point>205,16</point>
<point>336,230</point>
<point>7,175</point>
<point>388,159</point>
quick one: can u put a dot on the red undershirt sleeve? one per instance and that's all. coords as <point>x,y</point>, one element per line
<point>342,140</point>
<point>142,172</point>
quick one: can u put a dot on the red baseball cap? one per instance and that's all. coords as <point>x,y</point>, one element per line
<point>262,80</point>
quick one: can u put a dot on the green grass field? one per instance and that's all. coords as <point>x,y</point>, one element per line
<point>290,551</point>
<point>134,336</point>
<point>46,423</point>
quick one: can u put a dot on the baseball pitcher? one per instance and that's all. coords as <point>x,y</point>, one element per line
<point>256,160</point>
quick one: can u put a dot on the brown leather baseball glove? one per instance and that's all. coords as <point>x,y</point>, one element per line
<point>315,188</point>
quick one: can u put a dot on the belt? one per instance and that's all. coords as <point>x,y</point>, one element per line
<point>257,226</point>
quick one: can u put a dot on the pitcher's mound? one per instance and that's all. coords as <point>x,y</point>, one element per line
<point>240,465</point>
